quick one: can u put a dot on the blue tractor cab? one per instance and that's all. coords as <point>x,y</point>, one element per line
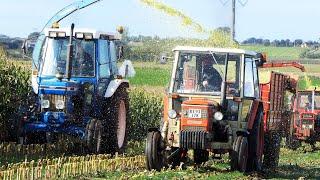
<point>77,90</point>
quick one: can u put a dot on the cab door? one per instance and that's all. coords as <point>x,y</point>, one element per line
<point>250,91</point>
<point>103,73</point>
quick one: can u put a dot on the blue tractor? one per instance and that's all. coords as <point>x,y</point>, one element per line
<point>77,90</point>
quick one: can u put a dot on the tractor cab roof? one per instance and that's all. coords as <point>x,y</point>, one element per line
<point>211,49</point>
<point>64,32</point>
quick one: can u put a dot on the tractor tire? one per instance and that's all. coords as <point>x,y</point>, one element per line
<point>95,137</point>
<point>175,160</point>
<point>117,122</point>
<point>292,143</point>
<point>243,155</point>
<point>233,154</point>
<point>34,138</point>
<point>239,155</point>
<point>154,151</point>
<point>51,137</point>
<point>200,156</point>
<point>271,150</point>
<point>256,143</point>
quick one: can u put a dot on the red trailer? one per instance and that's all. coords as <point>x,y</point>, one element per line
<point>275,114</point>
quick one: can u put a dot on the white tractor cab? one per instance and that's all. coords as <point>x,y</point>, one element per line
<point>78,90</point>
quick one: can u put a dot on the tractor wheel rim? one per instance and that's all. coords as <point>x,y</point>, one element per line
<point>121,132</point>
<point>98,140</point>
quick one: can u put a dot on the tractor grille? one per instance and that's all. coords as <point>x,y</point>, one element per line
<point>193,139</point>
<point>194,128</point>
<point>53,98</point>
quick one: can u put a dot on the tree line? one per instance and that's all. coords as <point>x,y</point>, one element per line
<point>146,48</point>
<point>280,43</point>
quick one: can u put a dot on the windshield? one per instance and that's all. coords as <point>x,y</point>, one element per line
<point>305,100</point>
<point>55,56</point>
<point>204,73</point>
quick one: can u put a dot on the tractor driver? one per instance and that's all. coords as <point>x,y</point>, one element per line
<point>211,79</point>
<point>308,106</point>
<point>85,59</point>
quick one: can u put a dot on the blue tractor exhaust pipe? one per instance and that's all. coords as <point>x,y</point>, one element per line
<point>70,54</point>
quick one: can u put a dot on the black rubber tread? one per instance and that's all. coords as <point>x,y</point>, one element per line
<point>153,152</point>
<point>148,151</point>
<point>95,136</point>
<point>35,138</point>
<point>157,158</point>
<point>110,117</point>
<point>292,143</point>
<point>253,163</point>
<point>234,154</point>
<point>271,150</point>
<point>243,154</point>
<point>200,156</point>
<point>175,161</point>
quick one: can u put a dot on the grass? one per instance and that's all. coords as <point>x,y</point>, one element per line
<point>190,173</point>
<point>296,165</point>
<point>151,76</point>
<point>282,53</point>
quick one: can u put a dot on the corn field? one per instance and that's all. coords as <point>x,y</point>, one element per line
<point>64,167</point>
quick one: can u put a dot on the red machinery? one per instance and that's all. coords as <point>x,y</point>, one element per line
<point>305,121</point>
<point>283,64</point>
<point>227,113</point>
<point>276,116</point>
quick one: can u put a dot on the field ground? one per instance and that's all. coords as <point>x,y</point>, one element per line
<point>293,165</point>
<point>302,163</point>
<point>280,53</point>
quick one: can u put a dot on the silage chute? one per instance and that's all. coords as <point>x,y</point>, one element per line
<point>68,10</point>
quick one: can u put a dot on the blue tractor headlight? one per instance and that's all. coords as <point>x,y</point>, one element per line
<point>45,103</point>
<point>60,104</point>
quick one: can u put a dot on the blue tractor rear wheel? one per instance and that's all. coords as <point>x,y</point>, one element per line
<point>117,121</point>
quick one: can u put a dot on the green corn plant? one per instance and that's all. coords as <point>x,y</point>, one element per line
<point>14,89</point>
<point>145,112</point>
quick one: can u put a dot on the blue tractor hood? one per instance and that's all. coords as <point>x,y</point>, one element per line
<point>55,86</point>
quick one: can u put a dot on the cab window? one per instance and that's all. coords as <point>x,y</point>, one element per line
<point>256,80</point>
<point>104,59</point>
<point>113,56</point>
<point>249,83</point>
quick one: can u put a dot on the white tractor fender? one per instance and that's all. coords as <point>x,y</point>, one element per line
<point>113,86</point>
<point>34,84</point>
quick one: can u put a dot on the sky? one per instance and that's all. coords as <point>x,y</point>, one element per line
<point>270,19</point>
